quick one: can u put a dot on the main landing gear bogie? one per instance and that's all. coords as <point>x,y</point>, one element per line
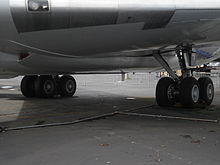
<point>185,90</point>
<point>189,92</point>
<point>47,86</point>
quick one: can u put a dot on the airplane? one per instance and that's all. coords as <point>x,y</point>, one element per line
<point>47,41</point>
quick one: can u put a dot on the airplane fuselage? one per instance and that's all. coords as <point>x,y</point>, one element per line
<point>101,34</point>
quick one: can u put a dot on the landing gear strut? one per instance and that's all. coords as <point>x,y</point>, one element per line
<point>48,86</point>
<point>185,89</point>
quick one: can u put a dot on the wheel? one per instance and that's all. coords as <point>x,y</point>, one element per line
<point>206,90</point>
<point>45,87</point>
<point>164,92</point>
<point>27,86</point>
<point>189,92</point>
<point>67,86</point>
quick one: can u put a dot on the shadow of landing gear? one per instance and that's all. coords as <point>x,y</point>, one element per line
<point>19,111</point>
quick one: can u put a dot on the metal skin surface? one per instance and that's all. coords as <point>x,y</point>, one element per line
<point>102,35</point>
<point>84,13</point>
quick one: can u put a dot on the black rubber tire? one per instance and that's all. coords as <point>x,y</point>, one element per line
<point>63,86</point>
<point>162,92</point>
<point>27,86</point>
<point>205,83</point>
<point>186,96</point>
<point>40,87</point>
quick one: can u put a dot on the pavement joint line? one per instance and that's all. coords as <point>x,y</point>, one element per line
<point>64,113</point>
<point>169,117</point>
<point>125,112</point>
<point>6,129</point>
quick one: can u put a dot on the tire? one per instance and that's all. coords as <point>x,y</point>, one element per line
<point>189,92</point>
<point>163,97</point>
<point>45,87</point>
<point>27,86</point>
<point>206,90</point>
<point>67,86</point>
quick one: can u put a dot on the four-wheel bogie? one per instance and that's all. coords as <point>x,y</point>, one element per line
<point>47,86</point>
<point>189,92</point>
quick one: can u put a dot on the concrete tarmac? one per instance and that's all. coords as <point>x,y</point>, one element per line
<point>116,140</point>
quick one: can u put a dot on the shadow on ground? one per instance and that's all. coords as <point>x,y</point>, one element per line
<point>19,111</point>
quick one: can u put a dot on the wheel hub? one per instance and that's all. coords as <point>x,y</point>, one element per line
<point>210,91</point>
<point>69,86</point>
<point>195,93</point>
<point>170,92</point>
<point>48,87</point>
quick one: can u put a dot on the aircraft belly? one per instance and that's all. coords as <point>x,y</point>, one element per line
<point>95,40</point>
<point>41,64</point>
<point>56,65</point>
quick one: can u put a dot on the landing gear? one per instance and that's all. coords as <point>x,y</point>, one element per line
<point>45,87</point>
<point>189,92</point>
<point>206,90</point>
<point>27,86</point>
<point>67,85</point>
<point>185,89</point>
<point>164,92</point>
<point>48,86</point>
